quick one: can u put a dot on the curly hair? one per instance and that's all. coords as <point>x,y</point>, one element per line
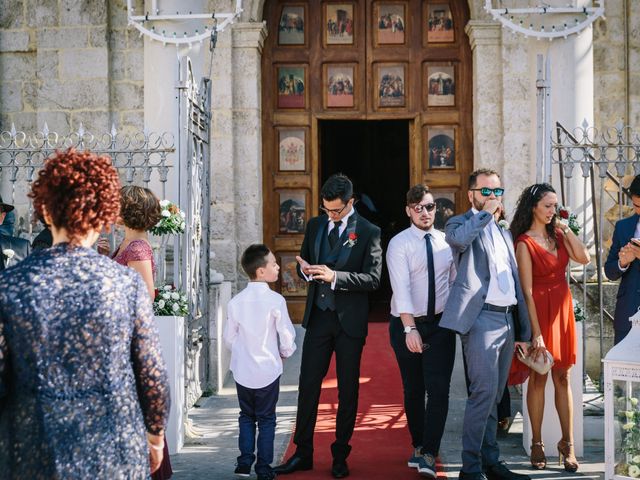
<point>415,193</point>
<point>139,208</point>
<point>523,217</point>
<point>78,191</point>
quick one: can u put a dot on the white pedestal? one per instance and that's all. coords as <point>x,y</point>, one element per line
<point>551,433</point>
<point>171,330</point>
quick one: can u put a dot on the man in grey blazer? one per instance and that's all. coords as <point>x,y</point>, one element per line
<point>487,308</point>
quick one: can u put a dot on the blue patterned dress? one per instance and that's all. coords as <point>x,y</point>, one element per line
<point>81,373</point>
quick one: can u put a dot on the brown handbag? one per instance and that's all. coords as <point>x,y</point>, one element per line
<point>541,365</point>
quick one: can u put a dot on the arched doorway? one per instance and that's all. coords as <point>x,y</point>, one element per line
<point>378,89</point>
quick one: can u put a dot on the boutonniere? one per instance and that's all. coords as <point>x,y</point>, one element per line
<point>8,254</point>
<point>503,224</point>
<point>351,240</point>
<point>568,219</point>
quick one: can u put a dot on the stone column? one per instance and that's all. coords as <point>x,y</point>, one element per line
<point>248,41</point>
<point>485,40</point>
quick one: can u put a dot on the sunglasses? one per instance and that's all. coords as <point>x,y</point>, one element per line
<point>418,208</point>
<point>486,191</point>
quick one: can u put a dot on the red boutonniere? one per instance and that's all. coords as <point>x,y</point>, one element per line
<point>351,240</point>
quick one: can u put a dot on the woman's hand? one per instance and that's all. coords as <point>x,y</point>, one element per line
<point>537,347</point>
<point>156,450</point>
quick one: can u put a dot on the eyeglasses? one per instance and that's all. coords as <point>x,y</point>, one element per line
<point>334,211</point>
<point>418,208</point>
<point>486,191</point>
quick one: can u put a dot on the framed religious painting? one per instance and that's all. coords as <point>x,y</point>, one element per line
<point>292,150</point>
<point>439,23</point>
<point>445,200</point>
<point>291,87</point>
<point>440,84</point>
<point>390,23</point>
<point>292,207</point>
<point>291,285</point>
<point>291,28</point>
<point>390,85</point>
<point>339,85</point>
<point>338,23</point>
<point>441,147</point>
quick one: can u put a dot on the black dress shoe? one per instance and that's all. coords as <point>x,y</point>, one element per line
<point>294,464</point>
<point>339,469</point>
<point>499,471</point>
<point>472,476</point>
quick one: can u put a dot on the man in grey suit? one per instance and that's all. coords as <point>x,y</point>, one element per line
<point>487,308</point>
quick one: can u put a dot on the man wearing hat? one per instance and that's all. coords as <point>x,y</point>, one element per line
<point>12,249</point>
<point>623,263</point>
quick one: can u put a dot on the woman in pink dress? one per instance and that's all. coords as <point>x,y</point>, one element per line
<point>139,211</point>
<point>544,247</point>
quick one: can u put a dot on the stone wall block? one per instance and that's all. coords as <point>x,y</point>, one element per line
<point>24,121</point>
<point>118,39</point>
<point>134,65</point>
<point>12,14</point>
<point>226,255</point>
<point>131,120</point>
<point>56,121</point>
<point>63,38</point>
<point>42,13</point>
<point>30,95</point>
<point>73,95</point>
<point>222,221</point>
<point>221,124</point>
<point>95,122</point>
<point>134,39</point>
<point>47,63</point>
<point>609,83</point>
<point>127,96</point>
<point>117,65</point>
<point>609,59</point>
<point>98,37</point>
<point>17,66</point>
<point>83,63</point>
<point>83,12</point>
<point>14,41</point>
<point>10,96</point>
<point>247,92</point>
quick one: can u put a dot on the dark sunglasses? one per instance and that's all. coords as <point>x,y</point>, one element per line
<point>486,191</point>
<point>418,208</point>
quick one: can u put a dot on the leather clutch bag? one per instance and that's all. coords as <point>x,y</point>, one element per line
<point>541,365</point>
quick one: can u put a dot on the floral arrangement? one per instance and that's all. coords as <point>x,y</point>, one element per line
<point>170,301</point>
<point>569,219</point>
<point>351,240</point>
<point>578,311</point>
<point>172,220</point>
<point>630,422</point>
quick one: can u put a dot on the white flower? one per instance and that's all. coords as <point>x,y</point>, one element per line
<point>175,307</point>
<point>7,252</point>
<point>160,303</point>
<point>166,213</point>
<point>175,296</point>
<point>629,414</point>
<point>503,224</point>
<point>636,459</point>
<point>184,297</point>
<point>166,296</point>
<point>164,203</point>
<point>182,214</point>
<point>628,426</point>
<point>167,287</point>
<point>634,471</point>
<point>634,401</point>
<point>182,226</point>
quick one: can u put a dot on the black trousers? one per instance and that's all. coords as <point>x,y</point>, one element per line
<point>430,373</point>
<point>323,336</point>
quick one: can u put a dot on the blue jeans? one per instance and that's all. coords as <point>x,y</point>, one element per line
<point>257,407</point>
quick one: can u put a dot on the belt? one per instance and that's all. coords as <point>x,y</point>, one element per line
<point>424,318</point>
<point>497,308</point>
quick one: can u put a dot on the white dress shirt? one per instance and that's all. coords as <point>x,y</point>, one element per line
<point>256,318</point>
<point>407,264</point>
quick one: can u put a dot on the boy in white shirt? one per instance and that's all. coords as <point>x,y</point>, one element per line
<point>256,318</point>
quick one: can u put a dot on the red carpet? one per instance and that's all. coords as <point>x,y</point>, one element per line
<point>381,442</point>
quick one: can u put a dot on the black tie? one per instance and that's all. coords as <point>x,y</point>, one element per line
<point>334,234</point>
<point>431,301</point>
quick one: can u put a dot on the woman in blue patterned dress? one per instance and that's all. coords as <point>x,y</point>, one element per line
<point>81,374</point>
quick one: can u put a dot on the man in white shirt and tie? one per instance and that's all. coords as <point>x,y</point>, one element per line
<point>421,270</point>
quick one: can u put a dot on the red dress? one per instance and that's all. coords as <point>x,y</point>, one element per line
<point>139,250</point>
<point>554,306</point>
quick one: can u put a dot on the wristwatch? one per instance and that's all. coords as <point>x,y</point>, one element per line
<point>408,328</point>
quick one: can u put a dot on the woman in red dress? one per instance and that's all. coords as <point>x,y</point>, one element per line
<point>139,211</point>
<point>543,249</point>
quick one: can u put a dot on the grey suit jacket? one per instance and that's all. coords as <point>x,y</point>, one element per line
<point>465,234</point>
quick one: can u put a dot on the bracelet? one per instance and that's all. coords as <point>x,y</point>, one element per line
<point>157,448</point>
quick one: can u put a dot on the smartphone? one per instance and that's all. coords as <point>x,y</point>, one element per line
<point>636,241</point>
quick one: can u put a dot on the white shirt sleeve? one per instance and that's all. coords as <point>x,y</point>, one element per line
<point>400,278</point>
<point>231,329</point>
<point>286,331</point>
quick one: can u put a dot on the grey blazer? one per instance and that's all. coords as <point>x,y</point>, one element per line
<point>465,234</point>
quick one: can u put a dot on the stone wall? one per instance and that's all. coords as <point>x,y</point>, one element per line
<point>69,62</point>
